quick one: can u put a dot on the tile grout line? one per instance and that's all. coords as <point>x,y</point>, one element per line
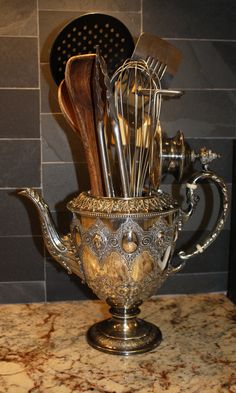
<point>41,145</point>
<point>39,81</point>
<point>62,162</point>
<point>18,88</point>
<point>51,113</point>
<point>198,39</point>
<point>20,139</point>
<point>21,282</point>
<point>17,36</point>
<point>89,11</point>
<point>17,187</point>
<point>21,236</point>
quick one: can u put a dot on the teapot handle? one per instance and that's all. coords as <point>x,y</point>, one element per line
<point>192,200</point>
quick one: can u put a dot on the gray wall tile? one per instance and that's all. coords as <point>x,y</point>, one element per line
<point>91,5</point>
<point>195,283</point>
<point>22,259</point>
<point>48,88</point>
<point>190,18</point>
<point>61,286</point>
<point>206,64</point>
<point>62,220</point>
<point>20,163</point>
<point>60,142</point>
<point>62,182</point>
<point>201,114</point>
<point>19,113</point>
<point>22,292</point>
<point>18,17</point>
<point>20,67</point>
<point>17,215</point>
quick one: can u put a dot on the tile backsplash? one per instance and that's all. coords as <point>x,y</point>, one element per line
<point>38,149</point>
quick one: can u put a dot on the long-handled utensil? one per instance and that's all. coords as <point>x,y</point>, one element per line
<point>83,34</point>
<point>78,75</point>
<point>116,132</point>
<point>69,114</point>
<point>66,106</point>
<point>163,59</point>
<point>139,116</point>
<point>100,102</point>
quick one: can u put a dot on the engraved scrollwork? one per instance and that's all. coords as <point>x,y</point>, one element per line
<point>112,241</point>
<point>129,292</point>
<point>96,239</point>
<point>130,240</point>
<point>94,206</point>
<point>146,240</point>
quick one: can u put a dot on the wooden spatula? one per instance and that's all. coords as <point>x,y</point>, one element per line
<point>78,74</point>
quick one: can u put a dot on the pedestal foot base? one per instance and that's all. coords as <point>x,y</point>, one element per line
<point>124,336</point>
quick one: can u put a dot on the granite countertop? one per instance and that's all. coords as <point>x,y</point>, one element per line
<point>43,349</point>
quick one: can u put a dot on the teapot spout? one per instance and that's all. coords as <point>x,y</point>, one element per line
<point>59,247</point>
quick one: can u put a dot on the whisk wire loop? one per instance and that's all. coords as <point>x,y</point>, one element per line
<point>139,117</point>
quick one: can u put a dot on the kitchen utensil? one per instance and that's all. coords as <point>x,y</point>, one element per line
<point>99,95</point>
<point>162,58</point>
<point>122,248</point>
<point>83,34</point>
<point>123,172</point>
<point>138,116</point>
<point>69,114</point>
<point>138,96</point>
<point>78,75</point>
<point>66,106</point>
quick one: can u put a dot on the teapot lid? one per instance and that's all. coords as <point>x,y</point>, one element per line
<point>86,204</point>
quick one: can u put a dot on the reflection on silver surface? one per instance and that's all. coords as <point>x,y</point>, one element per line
<point>122,248</point>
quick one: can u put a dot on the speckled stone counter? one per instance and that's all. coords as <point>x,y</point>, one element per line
<point>43,349</point>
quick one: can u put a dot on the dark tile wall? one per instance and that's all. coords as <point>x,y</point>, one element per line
<point>232,264</point>
<point>38,149</point>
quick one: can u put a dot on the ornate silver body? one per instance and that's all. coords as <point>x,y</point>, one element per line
<point>122,248</point>
<point>124,254</point>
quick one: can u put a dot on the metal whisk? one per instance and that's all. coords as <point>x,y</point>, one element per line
<point>137,97</point>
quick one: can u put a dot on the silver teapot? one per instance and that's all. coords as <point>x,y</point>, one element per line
<point>121,242</point>
<point>122,249</point>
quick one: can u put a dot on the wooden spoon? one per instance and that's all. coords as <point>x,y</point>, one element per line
<point>66,106</point>
<point>78,73</point>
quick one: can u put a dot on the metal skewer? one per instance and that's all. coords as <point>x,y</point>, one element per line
<point>116,131</point>
<point>99,95</point>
